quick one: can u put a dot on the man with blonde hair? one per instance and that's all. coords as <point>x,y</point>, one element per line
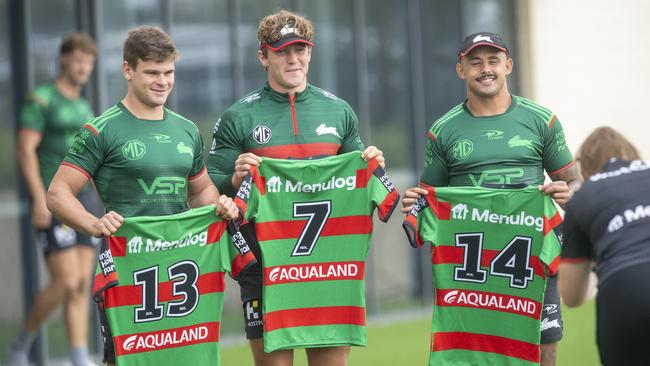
<point>291,119</point>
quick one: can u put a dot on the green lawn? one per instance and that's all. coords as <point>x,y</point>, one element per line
<point>407,344</point>
<point>402,344</point>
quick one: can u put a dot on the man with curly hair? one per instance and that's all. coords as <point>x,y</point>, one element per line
<point>290,119</point>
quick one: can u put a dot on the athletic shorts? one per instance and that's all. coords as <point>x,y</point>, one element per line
<point>60,236</point>
<point>623,317</point>
<point>250,286</point>
<point>551,313</point>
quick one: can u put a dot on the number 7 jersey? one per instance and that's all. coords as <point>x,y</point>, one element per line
<point>491,250</point>
<point>161,284</point>
<point>313,220</point>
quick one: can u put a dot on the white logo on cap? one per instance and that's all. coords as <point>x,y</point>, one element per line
<point>288,29</point>
<point>480,38</point>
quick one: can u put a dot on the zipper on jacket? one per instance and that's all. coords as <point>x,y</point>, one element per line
<point>292,102</point>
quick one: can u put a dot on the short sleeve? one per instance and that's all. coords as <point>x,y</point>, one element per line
<point>412,225</point>
<point>381,190</point>
<point>351,139</point>
<point>556,156</point>
<point>435,172</point>
<point>198,164</point>
<point>551,245</point>
<point>248,195</point>
<point>86,152</point>
<point>235,252</point>
<point>227,145</point>
<point>577,246</point>
<point>32,115</point>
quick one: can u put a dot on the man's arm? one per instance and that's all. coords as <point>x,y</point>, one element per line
<point>574,282</point>
<point>226,153</point>
<point>563,185</point>
<point>28,142</point>
<point>62,201</point>
<point>201,192</point>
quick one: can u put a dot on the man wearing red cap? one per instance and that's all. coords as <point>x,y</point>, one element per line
<point>496,138</point>
<point>289,119</point>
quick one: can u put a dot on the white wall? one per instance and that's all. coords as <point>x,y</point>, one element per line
<point>590,64</point>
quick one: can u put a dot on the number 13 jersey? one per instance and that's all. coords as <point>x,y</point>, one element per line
<point>313,220</point>
<point>491,250</point>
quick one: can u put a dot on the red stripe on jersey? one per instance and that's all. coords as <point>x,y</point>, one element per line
<point>412,222</point>
<point>77,167</point>
<point>292,103</point>
<point>552,223</point>
<point>388,205</point>
<point>242,206</point>
<point>215,231</point>
<point>327,271</point>
<point>258,180</point>
<point>442,210</point>
<point>192,177</point>
<point>443,341</point>
<point>553,267</point>
<point>575,260</point>
<point>291,229</point>
<point>562,169</point>
<point>117,245</point>
<point>240,262</point>
<point>132,295</point>
<point>489,301</point>
<point>552,121</point>
<point>127,344</point>
<point>92,129</point>
<point>362,178</point>
<point>298,150</point>
<point>455,255</point>
<point>330,315</point>
<point>102,282</point>
<point>431,136</point>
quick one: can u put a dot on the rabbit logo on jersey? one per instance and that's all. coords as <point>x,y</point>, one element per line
<point>461,211</point>
<point>275,185</point>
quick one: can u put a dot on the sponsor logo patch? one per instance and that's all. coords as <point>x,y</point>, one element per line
<point>488,300</point>
<point>463,149</point>
<point>322,129</point>
<point>314,272</point>
<point>262,134</point>
<point>134,149</point>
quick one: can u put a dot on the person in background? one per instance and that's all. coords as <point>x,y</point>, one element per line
<point>607,230</point>
<point>52,115</point>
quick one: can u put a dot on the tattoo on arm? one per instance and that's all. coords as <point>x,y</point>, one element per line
<point>571,176</point>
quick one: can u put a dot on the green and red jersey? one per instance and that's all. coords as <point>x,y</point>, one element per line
<point>313,220</point>
<point>139,167</point>
<point>314,123</point>
<point>491,251</point>
<point>57,118</point>
<point>510,148</point>
<point>160,280</point>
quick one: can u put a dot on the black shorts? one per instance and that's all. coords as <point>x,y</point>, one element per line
<point>623,317</point>
<point>250,286</point>
<point>551,313</point>
<point>60,236</point>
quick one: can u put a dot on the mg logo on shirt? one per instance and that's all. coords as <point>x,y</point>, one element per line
<point>134,149</point>
<point>462,149</point>
<point>261,134</point>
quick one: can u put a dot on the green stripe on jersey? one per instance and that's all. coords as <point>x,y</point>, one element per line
<point>313,220</point>
<point>437,125</point>
<point>491,251</point>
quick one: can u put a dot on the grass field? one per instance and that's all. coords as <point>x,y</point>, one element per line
<point>402,344</point>
<point>407,344</point>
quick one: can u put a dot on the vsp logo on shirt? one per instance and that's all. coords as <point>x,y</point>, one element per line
<point>461,211</point>
<point>275,185</point>
<point>163,185</point>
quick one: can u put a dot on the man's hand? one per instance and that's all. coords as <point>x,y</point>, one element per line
<point>373,152</point>
<point>107,224</point>
<point>559,192</point>
<point>242,165</point>
<point>226,208</point>
<point>411,196</point>
<point>41,216</point>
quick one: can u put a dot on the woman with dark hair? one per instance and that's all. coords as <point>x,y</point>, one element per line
<point>607,229</point>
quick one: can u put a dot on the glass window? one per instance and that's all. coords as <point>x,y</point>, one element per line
<point>388,78</point>
<point>117,17</point>
<point>203,86</point>
<point>333,58</point>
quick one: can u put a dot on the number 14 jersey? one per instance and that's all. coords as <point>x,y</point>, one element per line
<point>313,220</point>
<point>491,250</point>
